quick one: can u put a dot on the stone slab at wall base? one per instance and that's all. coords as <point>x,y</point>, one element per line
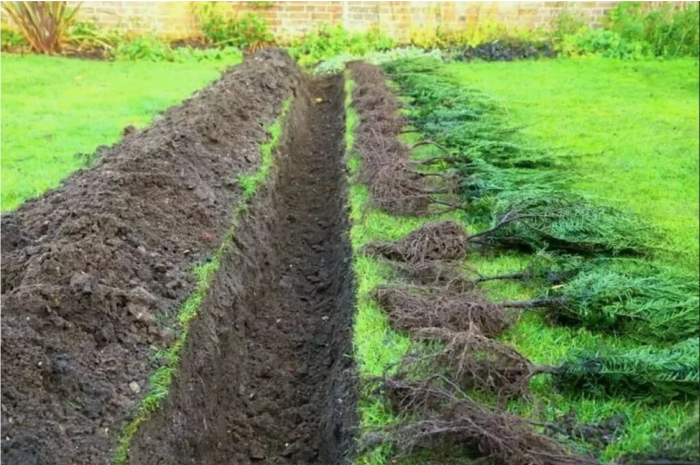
<point>178,20</point>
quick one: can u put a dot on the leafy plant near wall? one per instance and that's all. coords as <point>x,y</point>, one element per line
<point>631,31</point>
<point>249,32</point>
<point>11,39</point>
<point>327,41</point>
<point>666,31</point>
<point>87,35</point>
<point>43,24</point>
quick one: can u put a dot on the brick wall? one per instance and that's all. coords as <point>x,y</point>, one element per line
<point>177,19</point>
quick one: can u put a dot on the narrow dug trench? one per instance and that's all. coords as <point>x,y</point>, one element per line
<point>266,376</point>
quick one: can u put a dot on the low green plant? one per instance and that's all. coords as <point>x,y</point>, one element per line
<point>249,31</point>
<point>669,30</point>
<point>602,42</point>
<point>151,48</point>
<point>88,35</point>
<point>337,63</point>
<point>251,182</point>
<point>148,48</point>
<point>43,24</point>
<point>632,30</point>
<point>11,39</point>
<point>327,41</point>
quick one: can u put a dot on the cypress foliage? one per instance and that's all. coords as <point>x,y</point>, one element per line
<point>664,307</point>
<point>648,373</point>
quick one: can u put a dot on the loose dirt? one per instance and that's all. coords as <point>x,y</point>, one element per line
<point>267,375</point>
<point>93,272</point>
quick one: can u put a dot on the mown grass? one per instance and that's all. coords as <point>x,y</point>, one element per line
<point>631,126</point>
<point>54,108</point>
<point>160,381</point>
<point>596,158</point>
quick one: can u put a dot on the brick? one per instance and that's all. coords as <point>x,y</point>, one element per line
<point>321,16</point>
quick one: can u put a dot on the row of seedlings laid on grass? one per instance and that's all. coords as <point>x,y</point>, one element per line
<point>162,379</point>
<point>397,187</point>
<point>521,195</point>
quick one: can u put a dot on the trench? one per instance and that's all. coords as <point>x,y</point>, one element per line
<point>267,375</point>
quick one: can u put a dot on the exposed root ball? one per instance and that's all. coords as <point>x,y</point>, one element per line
<point>435,273</point>
<point>393,183</point>
<point>412,309</point>
<point>473,361</point>
<point>448,421</point>
<point>445,240</point>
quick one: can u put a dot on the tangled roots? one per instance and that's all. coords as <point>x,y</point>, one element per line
<point>473,361</point>
<point>412,309</point>
<point>435,273</point>
<point>385,169</point>
<point>445,240</point>
<point>448,420</point>
<point>393,183</point>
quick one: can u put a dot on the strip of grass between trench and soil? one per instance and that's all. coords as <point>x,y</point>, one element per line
<point>546,344</point>
<point>161,380</point>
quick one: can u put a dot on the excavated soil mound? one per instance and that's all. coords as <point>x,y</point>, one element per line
<point>267,374</point>
<point>93,272</point>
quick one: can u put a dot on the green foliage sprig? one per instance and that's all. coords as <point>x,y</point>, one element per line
<point>648,373</point>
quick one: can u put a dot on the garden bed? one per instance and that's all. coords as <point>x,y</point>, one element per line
<point>98,293</point>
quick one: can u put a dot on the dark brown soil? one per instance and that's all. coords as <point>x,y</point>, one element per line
<point>93,272</point>
<point>267,375</point>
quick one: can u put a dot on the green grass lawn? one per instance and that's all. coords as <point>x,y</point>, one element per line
<point>632,127</point>
<point>53,108</point>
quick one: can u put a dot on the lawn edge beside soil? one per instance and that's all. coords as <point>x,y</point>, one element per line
<point>161,380</point>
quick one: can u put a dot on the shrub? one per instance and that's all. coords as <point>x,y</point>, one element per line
<point>503,50</point>
<point>602,42</point>
<point>143,48</point>
<point>12,40</point>
<point>151,48</point>
<point>89,36</point>
<point>329,41</point>
<point>666,31</point>
<point>43,24</point>
<point>631,30</point>
<point>249,32</point>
